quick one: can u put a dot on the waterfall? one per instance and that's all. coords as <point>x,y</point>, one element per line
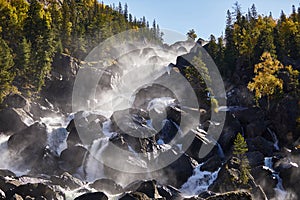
<point>199,182</point>
<point>94,168</point>
<point>280,192</point>
<point>275,139</point>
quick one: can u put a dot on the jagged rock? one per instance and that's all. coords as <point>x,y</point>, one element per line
<point>290,175</point>
<point>168,132</point>
<point>169,192</point>
<point>226,180</point>
<point>147,187</point>
<point>107,185</point>
<point>6,172</point>
<point>73,138</point>
<point>178,171</point>
<point>8,185</point>
<point>212,164</point>
<point>36,190</point>
<point>11,120</point>
<point>71,158</point>
<point>260,144</point>
<point>265,179</point>
<point>144,95</point>
<point>237,195</point>
<point>15,101</point>
<point>29,143</point>
<point>65,66</point>
<point>92,196</point>
<point>66,180</point>
<point>135,196</point>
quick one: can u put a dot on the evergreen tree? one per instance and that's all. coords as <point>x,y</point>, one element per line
<point>191,34</point>
<point>6,74</point>
<point>239,150</point>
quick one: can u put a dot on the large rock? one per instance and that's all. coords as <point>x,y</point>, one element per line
<point>212,164</point>
<point>29,143</point>
<point>135,196</point>
<point>107,185</point>
<point>92,196</point>
<point>36,190</point>
<point>66,180</point>
<point>265,179</point>
<point>65,66</point>
<point>290,174</point>
<point>147,187</point>
<point>11,120</point>
<point>260,144</point>
<point>71,158</point>
<point>179,171</point>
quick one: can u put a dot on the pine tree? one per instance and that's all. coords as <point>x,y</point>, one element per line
<point>239,150</point>
<point>6,74</point>
<point>191,34</point>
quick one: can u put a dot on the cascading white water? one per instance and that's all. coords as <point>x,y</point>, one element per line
<point>199,182</point>
<point>280,191</point>
<point>56,133</point>
<point>275,139</point>
<point>8,160</point>
<point>94,166</point>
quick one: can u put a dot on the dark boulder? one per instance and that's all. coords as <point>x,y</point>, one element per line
<point>11,120</point>
<point>66,180</point>
<point>29,143</point>
<point>265,179</point>
<point>290,174</point>
<point>107,185</point>
<point>212,164</point>
<point>178,171</point>
<point>135,196</point>
<point>65,66</point>
<point>7,185</point>
<point>146,187</point>
<point>36,190</point>
<point>6,172</point>
<point>71,158</point>
<point>169,192</point>
<point>92,196</point>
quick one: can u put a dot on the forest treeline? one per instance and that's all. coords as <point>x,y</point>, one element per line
<point>248,35</point>
<point>32,33</point>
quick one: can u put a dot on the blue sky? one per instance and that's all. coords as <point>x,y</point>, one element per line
<point>204,16</point>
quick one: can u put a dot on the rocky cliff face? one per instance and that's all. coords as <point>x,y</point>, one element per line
<point>48,152</point>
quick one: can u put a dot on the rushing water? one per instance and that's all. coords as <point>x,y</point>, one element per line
<point>281,194</point>
<point>199,182</point>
